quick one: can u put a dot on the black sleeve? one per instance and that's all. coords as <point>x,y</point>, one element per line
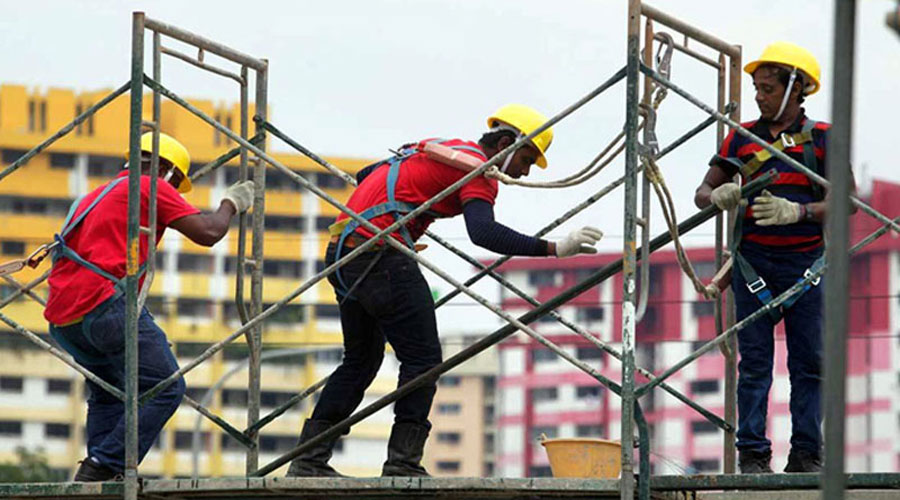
<point>362,174</point>
<point>487,233</point>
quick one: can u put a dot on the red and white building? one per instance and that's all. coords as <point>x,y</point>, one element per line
<point>540,393</point>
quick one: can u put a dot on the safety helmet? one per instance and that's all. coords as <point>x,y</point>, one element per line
<point>172,151</point>
<point>794,57</point>
<point>526,120</point>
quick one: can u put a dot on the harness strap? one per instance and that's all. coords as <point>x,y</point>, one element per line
<point>763,155</point>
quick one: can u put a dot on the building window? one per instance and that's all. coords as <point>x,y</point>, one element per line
<point>550,431</point>
<point>62,160</point>
<point>540,471</point>
<point>588,391</point>
<point>589,354</point>
<point>541,394</point>
<point>449,437</point>
<point>320,266</point>
<point>11,155</point>
<point>234,397</point>
<point>449,381</point>
<point>277,443</point>
<point>447,466</point>
<point>59,386</point>
<point>704,387</point>
<point>705,270</point>
<point>10,428</point>
<point>11,384</point>
<point>703,427</point>
<point>588,314</point>
<point>329,356</point>
<point>543,277</point>
<point>329,181</point>
<point>323,221</point>
<point>589,430</point>
<point>61,431</point>
<point>449,408</point>
<point>289,314</point>
<point>701,466</point>
<point>104,166</point>
<point>283,222</point>
<point>195,263</point>
<point>703,309</point>
<point>208,179</point>
<point>195,308</point>
<point>184,440</point>
<point>158,306</point>
<point>274,399</point>
<point>542,355</point>
<point>283,268</point>
<point>327,311</point>
<point>11,247</point>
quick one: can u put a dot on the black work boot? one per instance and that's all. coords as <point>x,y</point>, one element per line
<point>803,461</point>
<point>314,462</point>
<point>90,471</point>
<point>755,462</point>
<point>405,451</point>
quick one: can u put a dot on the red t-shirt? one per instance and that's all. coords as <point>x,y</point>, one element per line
<point>420,179</point>
<point>100,239</point>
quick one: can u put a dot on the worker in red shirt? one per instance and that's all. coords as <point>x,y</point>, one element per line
<point>382,293</point>
<point>86,305</point>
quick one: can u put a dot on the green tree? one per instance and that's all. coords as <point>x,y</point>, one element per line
<point>31,467</point>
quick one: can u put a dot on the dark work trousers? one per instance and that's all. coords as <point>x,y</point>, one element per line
<point>393,303</point>
<point>98,343</point>
<point>803,335</point>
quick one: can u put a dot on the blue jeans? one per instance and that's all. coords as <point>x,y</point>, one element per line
<point>803,335</point>
<point>98,344</point>
<point>392,303</point>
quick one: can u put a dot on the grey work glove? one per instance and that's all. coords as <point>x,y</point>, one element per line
<point>579,241</point>
<point>240,194</point>
<point>726,196</point>
<point>770,210</point>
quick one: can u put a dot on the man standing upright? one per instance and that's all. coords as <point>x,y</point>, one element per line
<point>777,241</point>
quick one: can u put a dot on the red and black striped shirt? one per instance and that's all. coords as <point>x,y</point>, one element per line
<point>736,149</point>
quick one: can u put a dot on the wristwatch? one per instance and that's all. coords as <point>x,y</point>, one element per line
<point>808,215</point>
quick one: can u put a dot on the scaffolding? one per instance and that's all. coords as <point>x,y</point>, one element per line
<point>641,155</point>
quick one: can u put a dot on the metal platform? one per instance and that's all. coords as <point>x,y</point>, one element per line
<point>746,487</point>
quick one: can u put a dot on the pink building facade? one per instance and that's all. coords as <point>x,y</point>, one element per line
<point>541,394</point>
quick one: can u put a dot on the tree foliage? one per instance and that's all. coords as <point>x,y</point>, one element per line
<point>31,467</point>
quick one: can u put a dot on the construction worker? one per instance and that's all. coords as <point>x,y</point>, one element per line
<point>383,295</point>
<point>778,240</point>
<point>86,304</point>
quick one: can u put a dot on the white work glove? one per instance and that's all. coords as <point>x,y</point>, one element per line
<point>769,210</point>
<point>579,241</point>
<point>726,196</point>
<point>240,194</point>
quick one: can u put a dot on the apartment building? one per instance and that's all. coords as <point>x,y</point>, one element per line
<point>192,297</point>
<point>542,394</point>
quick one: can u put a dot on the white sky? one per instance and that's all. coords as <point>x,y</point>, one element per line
<point>353,78</point>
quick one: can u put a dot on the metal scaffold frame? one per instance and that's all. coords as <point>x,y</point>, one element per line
<point>640,158</point>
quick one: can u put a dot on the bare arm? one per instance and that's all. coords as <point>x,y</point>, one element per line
<point>206,228</point>
<point>714,178</point>
<point>819,209</point>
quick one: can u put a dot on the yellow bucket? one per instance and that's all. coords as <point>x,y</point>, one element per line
<point>584,457</point>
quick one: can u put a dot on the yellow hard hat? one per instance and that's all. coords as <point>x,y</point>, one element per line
<point>792,56</point>
<point>172,151</point>
<point>526,120</point>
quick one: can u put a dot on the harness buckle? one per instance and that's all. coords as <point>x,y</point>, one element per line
<point>757,285</point>
<point>788,140</point>
<point>808,274</point>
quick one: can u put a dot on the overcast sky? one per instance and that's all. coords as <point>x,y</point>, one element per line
<point>353,78</point>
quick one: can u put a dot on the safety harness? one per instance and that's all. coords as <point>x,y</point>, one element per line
<point>61,250</point>
<point>755,283</point>
<point>397,209</point>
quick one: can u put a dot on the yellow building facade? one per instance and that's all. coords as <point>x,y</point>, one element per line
<point>192,296</point>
